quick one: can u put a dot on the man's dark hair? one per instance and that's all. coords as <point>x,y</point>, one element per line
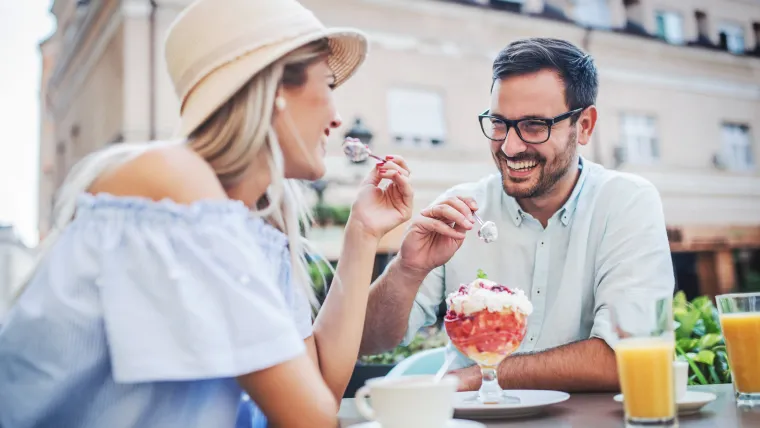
<point>575,67</point>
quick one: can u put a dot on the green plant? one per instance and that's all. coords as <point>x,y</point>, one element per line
<point>341,214</point>
<point>430,338</point>
<point>323,214</point>
<point>320,273</point>
<point>699,340</point>
<point>328,214</point>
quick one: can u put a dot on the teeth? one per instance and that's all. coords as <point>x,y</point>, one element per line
<point>522,164</point>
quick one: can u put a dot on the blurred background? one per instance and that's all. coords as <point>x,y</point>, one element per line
<point>679,104</point>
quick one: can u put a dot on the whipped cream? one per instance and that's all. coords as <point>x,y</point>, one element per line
<point>355,150</point>
<point>485,294</point>
<point>488,233</point>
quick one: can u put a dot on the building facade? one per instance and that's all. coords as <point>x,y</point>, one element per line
<point>679,100</point>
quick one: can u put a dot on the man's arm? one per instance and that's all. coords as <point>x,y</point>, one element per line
<point>584,366</point>
<point>407,295</point>
<point>391,300</point>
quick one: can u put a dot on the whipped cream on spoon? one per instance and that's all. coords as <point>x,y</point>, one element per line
<point>357,151</point>
<point>488,232</point>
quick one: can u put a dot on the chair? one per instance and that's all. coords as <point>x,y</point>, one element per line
<point>422,363</point>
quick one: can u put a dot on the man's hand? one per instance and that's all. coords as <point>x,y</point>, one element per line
<point>436,234</point>
<point>470,378</point>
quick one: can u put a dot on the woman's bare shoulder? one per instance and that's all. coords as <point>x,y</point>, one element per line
<point>170,172</point>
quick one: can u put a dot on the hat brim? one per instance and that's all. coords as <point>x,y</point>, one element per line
<point>348,50</point>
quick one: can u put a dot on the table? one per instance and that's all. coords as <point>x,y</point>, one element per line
<point>600,410</point>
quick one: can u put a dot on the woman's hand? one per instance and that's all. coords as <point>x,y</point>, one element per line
<point>377,211</point>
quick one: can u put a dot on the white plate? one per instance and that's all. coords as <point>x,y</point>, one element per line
<point>691,402</point>
<point>531,403</point>
<point>454,423</point>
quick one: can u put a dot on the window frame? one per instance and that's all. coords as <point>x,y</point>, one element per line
<point>423,140</point>
<point>632,142</point>
<point>728,148</point>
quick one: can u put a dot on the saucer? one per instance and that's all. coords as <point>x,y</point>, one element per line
<point>691,402</point>
<point>531,402</point>
<point>453,423</point>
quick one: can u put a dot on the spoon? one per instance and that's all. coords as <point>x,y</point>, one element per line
<point>445,367</point>
<point>358,151</point>
<point>488,232</point>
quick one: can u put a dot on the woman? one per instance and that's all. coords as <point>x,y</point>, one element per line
<point>171,291</point>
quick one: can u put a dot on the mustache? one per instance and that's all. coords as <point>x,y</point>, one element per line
<point>522,157</point>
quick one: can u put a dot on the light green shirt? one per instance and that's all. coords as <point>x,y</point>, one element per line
<point>609,236</point>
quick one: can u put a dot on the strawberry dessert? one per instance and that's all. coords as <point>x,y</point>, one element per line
<point>487,321</point>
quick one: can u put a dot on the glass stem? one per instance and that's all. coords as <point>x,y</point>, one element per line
<point>490,391</point>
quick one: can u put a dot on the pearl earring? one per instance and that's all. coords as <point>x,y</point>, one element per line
<point>280,103</point>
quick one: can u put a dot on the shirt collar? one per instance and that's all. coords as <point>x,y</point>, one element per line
<point>565,213</point>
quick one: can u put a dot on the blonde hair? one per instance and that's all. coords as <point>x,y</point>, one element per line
<point>229,141</point>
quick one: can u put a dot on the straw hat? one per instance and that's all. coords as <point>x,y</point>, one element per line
<point>215,47</point>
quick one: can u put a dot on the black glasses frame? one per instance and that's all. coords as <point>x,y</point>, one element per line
<point>514,124</point>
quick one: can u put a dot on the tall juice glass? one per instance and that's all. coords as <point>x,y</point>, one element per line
<point>644,353</point>
<point>740,322</point>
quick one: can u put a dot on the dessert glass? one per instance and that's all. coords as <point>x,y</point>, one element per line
<point>487,336</point>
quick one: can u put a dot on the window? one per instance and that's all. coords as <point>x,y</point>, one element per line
<point>416,117</point>
<point>733,34</point>
<point>702,25</point>
<point>737,147</point>
<point>640,139</point>
<point>670,27</point>
<point>593,13</point>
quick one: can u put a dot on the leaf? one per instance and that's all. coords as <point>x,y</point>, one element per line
<point>714,375</point>
<point>708,341</point>
<point>699,329</point>
<point>721,364</point>
<point>679,300</point>
<point>481,274</point>
<point>711,321</point>
<point>705,356</point>
<point>687,317</point>
<point>689,356</point>
<point>687,344</point>
<point>702,303</point>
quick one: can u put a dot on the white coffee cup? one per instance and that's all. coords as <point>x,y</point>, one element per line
<point>681,376</point>
<point>408,401</point>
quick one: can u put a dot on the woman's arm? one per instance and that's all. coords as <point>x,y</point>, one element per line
<point>334,347</point>
<point>292,394</point>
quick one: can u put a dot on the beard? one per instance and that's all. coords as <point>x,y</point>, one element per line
<point>549,174</point>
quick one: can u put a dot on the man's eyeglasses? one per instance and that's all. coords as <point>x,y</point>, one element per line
<point>530,130</point>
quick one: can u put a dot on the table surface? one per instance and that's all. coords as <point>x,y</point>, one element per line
<point>600,410</point>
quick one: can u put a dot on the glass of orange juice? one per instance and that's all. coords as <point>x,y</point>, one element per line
<point>645,350</point>
<point>740,322</point>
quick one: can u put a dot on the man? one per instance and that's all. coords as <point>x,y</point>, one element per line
<point>571,233</point>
